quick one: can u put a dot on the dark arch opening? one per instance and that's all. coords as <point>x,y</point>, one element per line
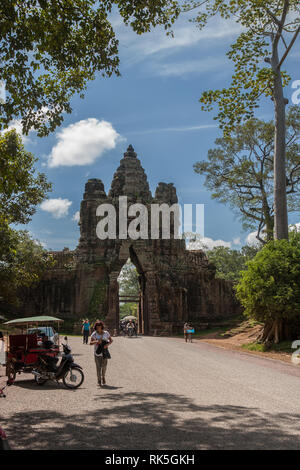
<point>116,297</point>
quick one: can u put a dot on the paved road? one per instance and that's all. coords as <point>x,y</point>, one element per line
<point>161,394</point>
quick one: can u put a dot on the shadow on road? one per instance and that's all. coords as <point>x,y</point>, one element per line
<point>49,385</point>
<point>154,421</point>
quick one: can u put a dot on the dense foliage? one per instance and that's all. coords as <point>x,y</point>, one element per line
<point>50,49</point>
<point>269,30</point>
<point>22,259</point>
<point>21,266</point>
<point>230,263</point>
<point>269,288</point>
<point>21,187</point>
<point>128,285</point>
<point>129,280</point>
<point>239,171</point>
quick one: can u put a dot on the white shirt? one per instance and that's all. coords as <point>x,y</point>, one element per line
<point>95,336</point>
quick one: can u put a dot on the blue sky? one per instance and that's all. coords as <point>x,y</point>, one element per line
<point>154,106</point>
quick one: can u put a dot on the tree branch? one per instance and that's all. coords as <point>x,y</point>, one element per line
<point>289,48</point>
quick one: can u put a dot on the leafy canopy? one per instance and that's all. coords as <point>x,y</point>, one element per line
<point>22,260</point>
<point>240,171</point>
<point>21,187</point>
<point>129,280</point>
<point>22,265</point>
<point>130,308</point>
<point>266,25</point>
<point>50,49</point>
<point>230,263</point>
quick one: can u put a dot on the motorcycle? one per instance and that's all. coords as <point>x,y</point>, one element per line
<point>68,371</point>
<point>130,331</point>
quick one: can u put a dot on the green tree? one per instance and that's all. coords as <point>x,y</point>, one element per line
<point>21,266</point>
<point>50,49</point>
<point>268,26</point>
<point>21,187</point>
<point>129,280</point>
<point>129,308</point>
<point>22,260</point>
<point>269,288</point>
<point>230,263</point>
<point>240,171</point>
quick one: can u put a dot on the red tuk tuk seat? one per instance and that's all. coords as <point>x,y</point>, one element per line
<point>21,346</point>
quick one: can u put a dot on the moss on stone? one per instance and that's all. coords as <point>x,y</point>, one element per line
<point>98,298</point>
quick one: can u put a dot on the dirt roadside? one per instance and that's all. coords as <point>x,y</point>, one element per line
<point>238,341</point>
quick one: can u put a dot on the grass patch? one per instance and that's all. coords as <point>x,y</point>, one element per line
<point>255,347</point>
<point>284,346</point>
<point>209,331</point>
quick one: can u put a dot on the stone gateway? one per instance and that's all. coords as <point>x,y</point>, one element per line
<point>176,284</point>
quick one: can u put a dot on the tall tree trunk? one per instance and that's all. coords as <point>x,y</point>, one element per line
<point>280,201</point>
<point>269,220</point>
<point>273,331</point>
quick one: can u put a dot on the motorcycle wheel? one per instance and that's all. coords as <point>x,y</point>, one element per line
<point>73,378</point>
<point>39,381</point>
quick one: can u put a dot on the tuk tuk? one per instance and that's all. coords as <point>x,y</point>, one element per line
<point>23,350</point>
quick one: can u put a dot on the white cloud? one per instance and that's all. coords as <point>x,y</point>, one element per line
<point>83,142</point>
<point>76,216</point>
<point>16,124</point>
<point>189,67</point>
<point>296,225</point>
<point>185,35</point>
<point>252,240</point>
<point>237,241</point>
<point>58,208</point>
<point>207,243</point>
<point>174,129</point>
<point>154,47</point>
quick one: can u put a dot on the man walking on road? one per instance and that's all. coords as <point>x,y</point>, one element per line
<point>86,328</point>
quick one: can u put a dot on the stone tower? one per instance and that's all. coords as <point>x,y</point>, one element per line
<point>176,285</point>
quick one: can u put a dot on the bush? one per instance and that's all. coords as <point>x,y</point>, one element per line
<point>269,289</point>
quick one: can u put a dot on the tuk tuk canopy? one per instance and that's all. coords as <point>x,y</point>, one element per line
<point>33,320</point>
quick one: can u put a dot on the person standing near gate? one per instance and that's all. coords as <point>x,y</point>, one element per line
<point>86,329</point>
<point>101,339</point>
<point>185,334</point>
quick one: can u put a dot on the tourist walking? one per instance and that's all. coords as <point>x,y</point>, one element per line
<point>101,339</point>
<point>86,329</point>
<point>188,331</point>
